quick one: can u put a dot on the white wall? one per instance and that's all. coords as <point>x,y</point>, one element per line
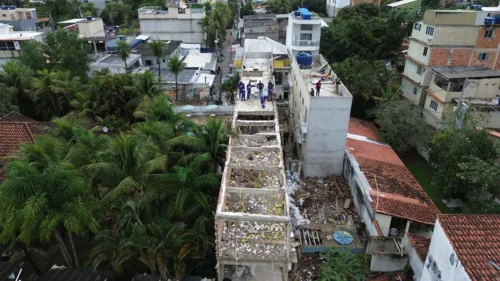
<point>416,51</point>
<point>438,260</point>
<point>407,88</point>
<point>185,30</point>
<point>384,221</point>
<point>416,264</point>
<point>388,263</point>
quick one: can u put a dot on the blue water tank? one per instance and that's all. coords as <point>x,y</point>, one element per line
<point>89,17</point>
<point>477,7</point>
<point>297,13</point>
<point>304,59</point>
<point>489,20</point>
<point>12,7</point>
<point>5,7</point>
<point>496,19</point>
<point>306,15</point>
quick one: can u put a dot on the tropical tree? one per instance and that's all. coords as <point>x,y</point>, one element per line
<point>217,19</point>
<point>112,12</point>
<point>6,100</point>
<point>123,50</point>
<point>342,265</point>
<point>53,91</point>
<point>126,165</point>
<point>279,7</point>
<point>38,204</point>
<point>16,78</point>
<point>158,48</point>
<point>209,139</point>
<point>175,65</point>
<point>146,84</point>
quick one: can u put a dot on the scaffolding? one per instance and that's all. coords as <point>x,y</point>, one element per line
<point>252,217</point>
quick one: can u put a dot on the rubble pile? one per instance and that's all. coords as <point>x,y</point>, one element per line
<point>265,204</point>
<point>255,142</point>
<point>267,158</point>
<point>248,230</point>
<point>253,179</point>
<point>252,130</point>
<point>307,268</point>
<point>252,251</point>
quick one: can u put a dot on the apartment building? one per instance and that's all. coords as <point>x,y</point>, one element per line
<point>255,26</point>
<point>88,27</point>
<point>178,22</point>
<point>11,41</point>
<point>319,122</point>
<point>460,92</point>
<point>22,19</point>
<point>304,32</point>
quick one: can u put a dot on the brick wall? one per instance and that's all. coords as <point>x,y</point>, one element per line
<point>488,63</point>
<point>486,43</point>
<point>439,57</point>
<point>449,57</point>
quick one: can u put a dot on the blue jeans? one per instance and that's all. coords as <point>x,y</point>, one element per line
<point>263,101</point>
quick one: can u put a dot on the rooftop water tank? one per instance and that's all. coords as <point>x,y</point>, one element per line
<point>306,15</point>
<point>89,17</point>
<point>304,59</point>
<point>477,7</point>
<point>496,19</point>
<point>12,7</point>
<point>489,20</point>
<point>5,7</point>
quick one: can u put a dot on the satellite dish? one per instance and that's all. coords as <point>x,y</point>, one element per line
<point>105,129</point>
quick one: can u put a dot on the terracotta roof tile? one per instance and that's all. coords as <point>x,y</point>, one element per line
<point>393,276</point>
<point>420,244</point>
<point>363,128</point>
<point>16,117</point>
<point>476,241</point>
<point>398,192</point>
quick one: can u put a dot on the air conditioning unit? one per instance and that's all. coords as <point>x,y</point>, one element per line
<point>429,39</point>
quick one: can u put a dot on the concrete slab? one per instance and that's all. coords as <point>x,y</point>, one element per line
<point>267,273</point>
<point>253,106</point>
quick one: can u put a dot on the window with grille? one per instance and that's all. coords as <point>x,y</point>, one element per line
<point>488,33</point>
<point>434,105</point>
<point>484,56</point>
<point>429,30</point>
<point>415,90</point>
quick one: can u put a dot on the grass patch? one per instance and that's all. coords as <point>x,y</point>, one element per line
<point>422,171</point>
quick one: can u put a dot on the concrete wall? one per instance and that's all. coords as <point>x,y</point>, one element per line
<point>91,28</point>
<point>455,35</point>
<point>384,221</point>
<point>490,119</point>
<point>163,62</point>
<point>416,51</point>
<point>415,262</point>
<point>388,263</point>
<point>407,88</point>
<point>435,17</point>
<point>185,30</point>
<point>439,258</point>
<point>22,25</point>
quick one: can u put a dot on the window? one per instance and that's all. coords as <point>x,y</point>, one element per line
<point>163,60</point>
<point>429,30</point>
<point>306,36</point>
<point>488,33</point>
<point>425,51</point>
<point>149,62</point>
<point>306,27</point>
<point>415,90</point>
<point>484,56</point>
<point>7,46</point>
<point>434,105</point>
<point>420,70</point>
<point>417,26</point>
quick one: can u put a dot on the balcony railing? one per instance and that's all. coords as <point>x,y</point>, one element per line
<point>305,43</point>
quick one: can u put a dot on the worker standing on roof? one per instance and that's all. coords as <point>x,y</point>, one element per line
<point>249,89</point>
<point>241,87</point>
<point>318,87</point>
<point>270,87</point>
<point>262,98</point>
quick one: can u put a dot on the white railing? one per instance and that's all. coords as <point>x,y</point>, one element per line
<point>305,43</point>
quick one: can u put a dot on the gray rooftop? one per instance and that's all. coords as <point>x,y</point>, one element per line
<point>144,49</point>
<point>114,60</point>
<point>168,77</point>
<point>457,72</point>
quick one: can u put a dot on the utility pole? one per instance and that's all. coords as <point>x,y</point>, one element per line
<point>461,108</point>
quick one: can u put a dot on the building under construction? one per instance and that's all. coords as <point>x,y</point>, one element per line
<point>252,219</point>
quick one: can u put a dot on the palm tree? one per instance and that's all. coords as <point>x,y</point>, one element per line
<point>342,265</point>
<point>123,51</point>
<point>146,84</point>
<point>126,164</point>
<point>112,11</point>
<point>158,132</point>
<point>85,106</point>
<point>18,79</point>
<point>159,108</point>
<point>189,188</point>
<point>209,139</point>
<point>53,91</point>
<point>158,49</point>
<point>175,65</point>
<point>38,204</point>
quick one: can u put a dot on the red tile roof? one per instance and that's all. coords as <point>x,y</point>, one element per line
<point>363,128</point>
<point>394,190</point>
<point>16,129</point>
<point>420,244</point>
<point>476,241</point>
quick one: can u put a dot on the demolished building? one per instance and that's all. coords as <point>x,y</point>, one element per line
<point>253,235</point>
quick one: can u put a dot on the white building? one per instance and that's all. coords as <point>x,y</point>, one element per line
<point>88,27</point>
<point>320,122</point>
<point>11,42</point>
<point>115,64</point>
<point>182,23</point>
<point>304,31</point>
<point>172,48</point>
<point>333,6</point>
<point>464,248</point>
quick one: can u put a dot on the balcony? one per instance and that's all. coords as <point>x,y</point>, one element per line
<point>305,43</point>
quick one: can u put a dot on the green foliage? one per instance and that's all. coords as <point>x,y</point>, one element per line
<point>217,19</point>
<point>247,9</point>
<point>117,13</point>
<point>176,65</point>
<point>366,81</point>
<point>6,100</point>
<point>362,31</point>
<point>464,161</point>
<point>32,55</point>
<point>123,50</point>
<point>316,6</point>
<point>158,48</point>
<point>402,125</point>
<point>341,265</point>
<point>278,7</point>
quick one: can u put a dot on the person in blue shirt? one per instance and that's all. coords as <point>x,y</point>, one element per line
<point>241,87</point>
<point>249,90</point>
<point>262,98</point>
<point>270,87</point>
